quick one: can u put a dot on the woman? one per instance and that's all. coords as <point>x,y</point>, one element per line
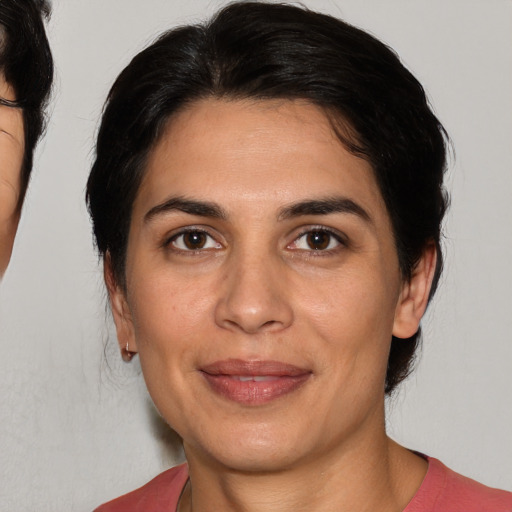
<point>26,73</point>
<point>267,196</point>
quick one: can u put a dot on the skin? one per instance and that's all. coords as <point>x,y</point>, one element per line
<point>11,159</point>
<point>258,290</point>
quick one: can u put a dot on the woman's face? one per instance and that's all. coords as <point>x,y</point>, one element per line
<point>262,285</point>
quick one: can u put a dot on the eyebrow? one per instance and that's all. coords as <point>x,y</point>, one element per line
<point>190,206</point>
<point>325,206</point>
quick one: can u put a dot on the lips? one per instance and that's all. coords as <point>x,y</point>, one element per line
<point>253,382</point>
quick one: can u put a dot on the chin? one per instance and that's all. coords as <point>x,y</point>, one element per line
<point>252,450</point>
<point>257,459</point>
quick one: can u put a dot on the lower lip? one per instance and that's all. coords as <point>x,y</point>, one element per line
<point>249,392</point>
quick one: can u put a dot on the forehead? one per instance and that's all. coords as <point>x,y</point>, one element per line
<point>262,152</point>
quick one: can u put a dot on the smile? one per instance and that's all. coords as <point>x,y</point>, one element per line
<point>253,382</point>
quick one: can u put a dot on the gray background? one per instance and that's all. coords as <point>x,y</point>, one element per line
<point>76,425</point>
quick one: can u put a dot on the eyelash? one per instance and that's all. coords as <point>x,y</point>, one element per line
<point>338,237</point>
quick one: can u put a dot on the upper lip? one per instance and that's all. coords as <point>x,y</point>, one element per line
<point>240,367</point>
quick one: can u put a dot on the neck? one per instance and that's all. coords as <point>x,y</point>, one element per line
<point>375,474</point>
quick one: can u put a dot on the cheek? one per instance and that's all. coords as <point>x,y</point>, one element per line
<point>171,321</point>
<point>171,318</point>
<point>350,303</point>
<point>167,311</point>
<point>353,317</point>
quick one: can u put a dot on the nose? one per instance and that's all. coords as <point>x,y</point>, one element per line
<point>254,296</point>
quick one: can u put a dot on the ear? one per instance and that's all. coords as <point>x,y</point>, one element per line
<point>120,311</point>
<point>413,299</point>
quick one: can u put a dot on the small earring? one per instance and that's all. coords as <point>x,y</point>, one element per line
<point>127,355</point>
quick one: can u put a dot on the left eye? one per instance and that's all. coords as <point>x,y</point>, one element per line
<point>194,241</point>
<point>316,240</point>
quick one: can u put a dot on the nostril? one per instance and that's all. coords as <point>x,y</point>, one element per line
<point>252,327</point>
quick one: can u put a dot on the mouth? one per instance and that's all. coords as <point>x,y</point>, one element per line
<point>253,382</point>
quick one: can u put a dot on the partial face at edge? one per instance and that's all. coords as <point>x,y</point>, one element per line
<point>263,285</point>
<point>12,147</point>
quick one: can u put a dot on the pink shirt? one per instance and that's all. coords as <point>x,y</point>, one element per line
<point>442,490</point>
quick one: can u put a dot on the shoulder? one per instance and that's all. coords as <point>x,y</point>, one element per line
<point>444,490</point>
<point>159,495</point>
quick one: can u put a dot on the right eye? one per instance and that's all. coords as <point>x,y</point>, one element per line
<point>193,240</point>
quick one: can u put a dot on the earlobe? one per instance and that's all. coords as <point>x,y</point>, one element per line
<point>414,296</point>
<point>120,312</point>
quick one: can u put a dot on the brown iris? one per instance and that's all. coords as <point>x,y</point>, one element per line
<point>194,240</point>
<point>318,240</point>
